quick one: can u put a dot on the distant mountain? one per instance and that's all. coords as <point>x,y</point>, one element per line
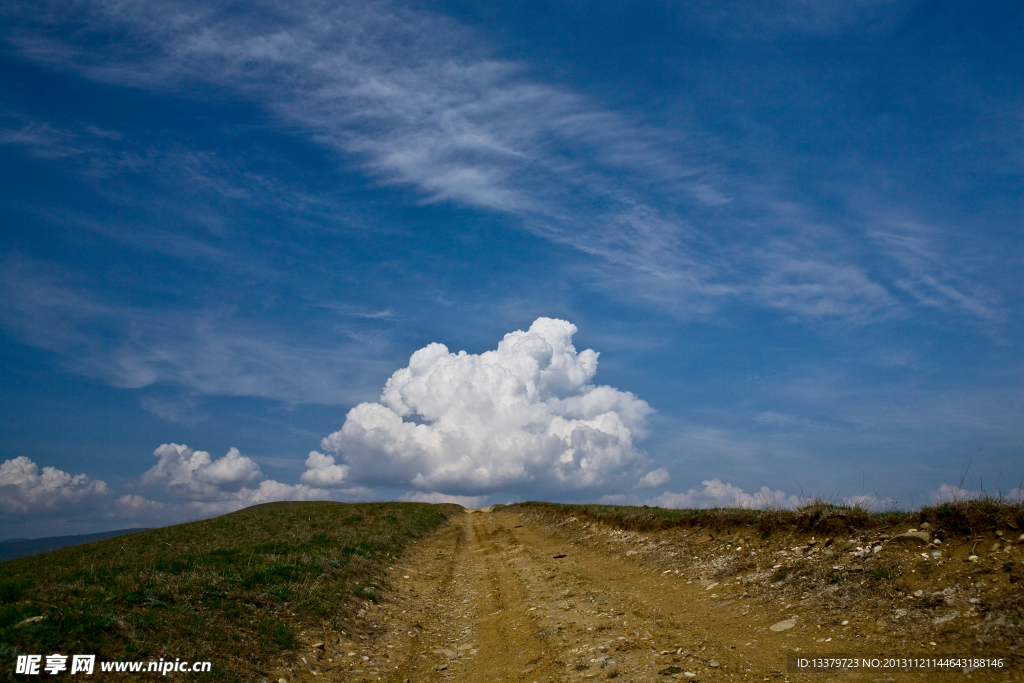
<point>23,547</point>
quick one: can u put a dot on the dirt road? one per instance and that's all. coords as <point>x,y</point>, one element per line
<point>503,596</point>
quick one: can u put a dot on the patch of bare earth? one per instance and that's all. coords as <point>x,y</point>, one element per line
<point>521,595</point>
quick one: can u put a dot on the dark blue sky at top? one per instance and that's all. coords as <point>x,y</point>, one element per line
<point>794,229</point>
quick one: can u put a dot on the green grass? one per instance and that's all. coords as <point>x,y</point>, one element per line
<point>234,590</point>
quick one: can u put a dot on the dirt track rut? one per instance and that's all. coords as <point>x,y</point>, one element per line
<point>499,596</point>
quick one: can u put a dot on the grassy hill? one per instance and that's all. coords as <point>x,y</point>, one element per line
<point>233,590</point>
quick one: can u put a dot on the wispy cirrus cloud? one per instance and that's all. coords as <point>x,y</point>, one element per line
<point>927,274</point>
<point>415,99</point>
<point>766,20</point>
<point>206,352</point>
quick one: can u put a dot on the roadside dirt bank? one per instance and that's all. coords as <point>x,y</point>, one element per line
<point>516,595</point>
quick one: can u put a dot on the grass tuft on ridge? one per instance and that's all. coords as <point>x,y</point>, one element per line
<point>234,590</point>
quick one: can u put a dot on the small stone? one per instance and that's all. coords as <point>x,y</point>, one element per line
<point>918,593</point>
<point>783,625</point>
<point>919,538</point>
<point>282,680</point>
<point>925,526</point>
<point>713,665</point>
<point>318,646</point>
<point>845,622</point>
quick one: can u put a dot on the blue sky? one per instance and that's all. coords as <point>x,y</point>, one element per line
<point>791,231</point>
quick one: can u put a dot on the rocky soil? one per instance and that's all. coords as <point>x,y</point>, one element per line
<point>516,594</point>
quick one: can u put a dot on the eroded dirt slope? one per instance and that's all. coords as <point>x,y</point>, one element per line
<point>511,595</point>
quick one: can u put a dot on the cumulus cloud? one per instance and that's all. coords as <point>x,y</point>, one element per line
<point>194,475</point>
<point>525,413</point>
<point>951,494</point>
<point>654,479</point>
<point>216,485</point>
<point>435,497</point>
<point>184,484</point>
<point>24,490</point>
<point>322,471</point>
<point>715,494</point>
<point>133,506</point>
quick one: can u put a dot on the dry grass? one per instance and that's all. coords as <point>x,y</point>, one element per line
<point>976,516</point>
<point>233,590</point>
<point>959,518</point>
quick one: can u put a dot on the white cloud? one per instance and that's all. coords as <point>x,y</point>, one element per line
<point>323,472</point>
<point>435,497</point>
<point>716,494</point>
<point>23,490</point>
<point>928,275</point>
<point>869,502</point>
<point>191,474</point>
<point>950,494</point>
<point>615,499</point>
<point>217,485</point>
<point>133,506</point>
<point>185,484</point>
<point>523,414</point>
<point>206,352</point>
<point>654,479</point>
<point>821,288</point>
<point>418,100</point>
